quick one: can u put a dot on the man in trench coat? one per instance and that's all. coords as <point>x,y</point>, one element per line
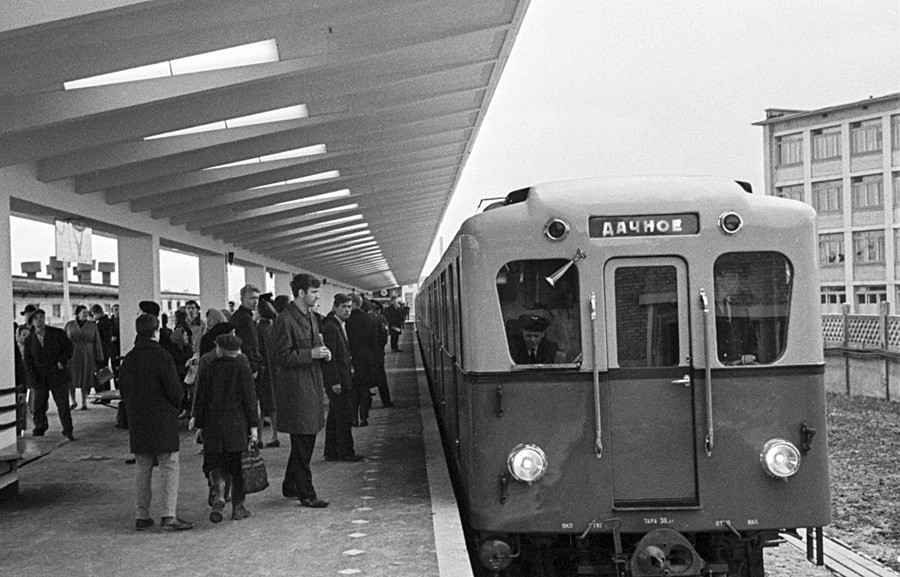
<point>297,354</point>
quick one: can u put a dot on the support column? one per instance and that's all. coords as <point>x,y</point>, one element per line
<point>213,282</point>
<point>138,281</point>
<point>283,284</point>
<point>255,275</point>
<point>8,448</point>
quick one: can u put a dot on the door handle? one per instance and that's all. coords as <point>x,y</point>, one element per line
<point>684,381</point>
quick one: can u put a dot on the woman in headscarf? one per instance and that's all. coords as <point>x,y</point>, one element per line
<point>208,340</point>
<point>87,356</point>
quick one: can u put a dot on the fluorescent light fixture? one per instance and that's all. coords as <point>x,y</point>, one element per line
<point>287,154</point>
<point>315,199</point>
<point>328,251</point>
<point>244,55</point>
<point>336,240</point>
<point>327,223</point>
<point>277,115</point>
<point>310,178</point>
<point>328,233</point>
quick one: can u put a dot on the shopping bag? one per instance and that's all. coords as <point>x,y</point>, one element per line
<point>104,375</point>
<point>253,470</point>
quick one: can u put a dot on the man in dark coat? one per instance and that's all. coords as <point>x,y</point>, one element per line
<point>736,340</point>
<point>373,309</point>
<point>245,328</point>
<point>394,316</point>
<point>151,393</point>
<point>297,354</point>
<point>362,333</point>
<point>338,376</point>
<point>47,351</point>
<point>225,412</point>
<point>23,382</point>
<point>529,345</point>
<point>106,329</point>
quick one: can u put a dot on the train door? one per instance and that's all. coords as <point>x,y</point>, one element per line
<point>650,393</point>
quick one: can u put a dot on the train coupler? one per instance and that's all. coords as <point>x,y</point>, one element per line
<point>665,552</point>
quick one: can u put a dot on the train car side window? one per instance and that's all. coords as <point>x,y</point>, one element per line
<point>542,320</point>
<point>752,305</point>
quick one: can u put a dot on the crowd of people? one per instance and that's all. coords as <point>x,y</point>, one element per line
<point>271,361</point>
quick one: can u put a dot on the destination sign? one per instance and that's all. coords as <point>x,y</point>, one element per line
<point>644,225</point>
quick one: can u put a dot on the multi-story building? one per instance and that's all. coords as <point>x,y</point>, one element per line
<point>844,161</point>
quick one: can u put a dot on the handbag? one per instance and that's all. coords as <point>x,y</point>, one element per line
<point>104,375</point>
<point>253,470</point>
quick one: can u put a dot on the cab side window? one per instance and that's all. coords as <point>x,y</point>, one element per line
<point>542,320</point>
<point>752,307</point>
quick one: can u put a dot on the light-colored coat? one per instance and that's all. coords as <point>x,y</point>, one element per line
<point>299,391</point>
<point>87,353</point>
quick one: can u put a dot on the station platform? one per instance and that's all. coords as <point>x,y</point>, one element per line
<point>391,514</point>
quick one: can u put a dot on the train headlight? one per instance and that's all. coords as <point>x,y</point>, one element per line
<point>780,459</point>
<point>527,463</point>
<point>556,229</point>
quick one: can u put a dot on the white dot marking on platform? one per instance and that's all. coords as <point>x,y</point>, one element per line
<point>363,509</point>
<point>359,521</point>
<point>352,552</point>
<point>367,497</point>
<point>357,535</point>
<point>349,571</point>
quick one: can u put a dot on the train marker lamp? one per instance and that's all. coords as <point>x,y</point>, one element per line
<point>780,459</point>
<point>556,229</point>
<point>527,463</point>
<point>730,223</point>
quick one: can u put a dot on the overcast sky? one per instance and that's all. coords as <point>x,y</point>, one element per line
<point>626,87</point>
<point>609,88</point>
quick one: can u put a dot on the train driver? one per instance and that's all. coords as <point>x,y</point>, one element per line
<point>735,336</point>
<point>530,345</point>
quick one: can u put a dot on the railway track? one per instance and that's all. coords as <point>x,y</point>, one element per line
<point>840,559</point>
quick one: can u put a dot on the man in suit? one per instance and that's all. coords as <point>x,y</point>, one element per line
<point>362,334</point>
<point>530,345</point>
<point>298,352</point>
<point>394,316</point>
<point>338,377</point>
<point>47,350</point>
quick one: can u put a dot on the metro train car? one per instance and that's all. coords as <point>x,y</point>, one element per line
<point>628,376</point>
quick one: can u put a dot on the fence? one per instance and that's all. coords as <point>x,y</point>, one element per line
<point>862,353</point>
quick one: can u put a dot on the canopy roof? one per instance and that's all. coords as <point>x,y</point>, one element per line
<point>381,102</point>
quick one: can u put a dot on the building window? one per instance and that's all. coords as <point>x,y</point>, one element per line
<point>833,295</point>
<point>790,149</point>
<point>895,132</point>
<point>793,192</point>
<point>826,143</point>
<point>865,137</point>
<point>868,246</point>
<point>831,249</point>
<point>57,311</point>
<point>867,191</point>
<point>827,196</point>
<point>896,180</point>
<point>871,295</point>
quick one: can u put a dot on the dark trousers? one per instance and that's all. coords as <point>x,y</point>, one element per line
<point>297,472</point>
<point>338,434</point>
<point>395,338</point>
<point>383,391</point>
<point>42,403</point>
<point>362,399</point>
<point>225,468</point>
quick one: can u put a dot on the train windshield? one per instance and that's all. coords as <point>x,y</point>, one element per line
<point>753,301</point>
<point>542,320</point>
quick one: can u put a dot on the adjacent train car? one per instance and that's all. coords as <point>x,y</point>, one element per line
<point>628,374</point>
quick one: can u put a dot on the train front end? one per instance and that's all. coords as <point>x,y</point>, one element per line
<point>642,389</point>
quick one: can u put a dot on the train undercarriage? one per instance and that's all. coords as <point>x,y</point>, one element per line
<point>660,553</point>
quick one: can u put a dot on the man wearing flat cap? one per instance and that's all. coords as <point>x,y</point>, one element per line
<point>530,345</point>
<point>225,411</point>
<point>149,308</point>
<point>151,393</point>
